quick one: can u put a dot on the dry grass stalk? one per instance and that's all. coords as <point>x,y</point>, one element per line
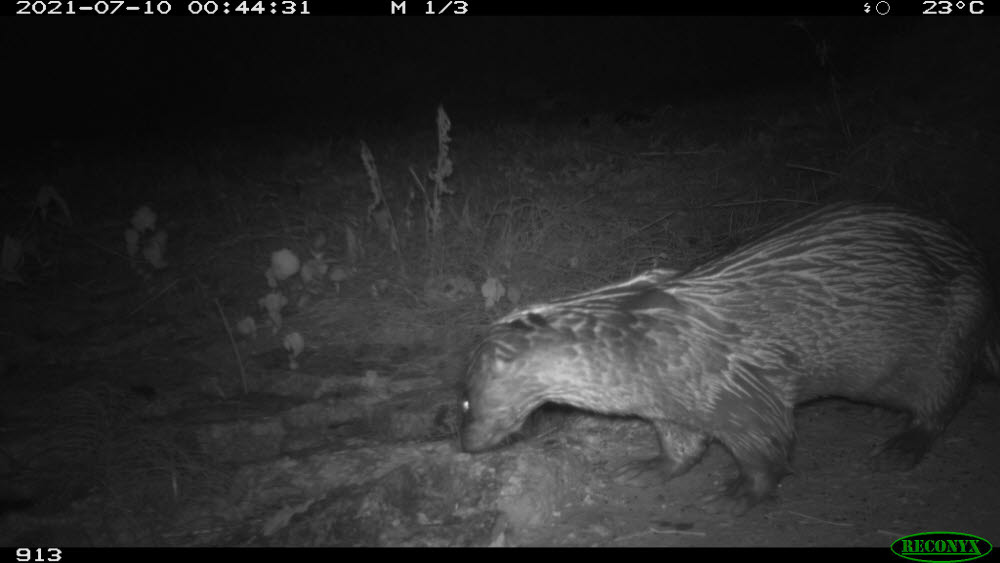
<point>442,171</point>
<point>235,347</point>
<point>378,210</point>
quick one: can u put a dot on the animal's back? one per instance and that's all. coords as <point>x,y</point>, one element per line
<point>865,301</point>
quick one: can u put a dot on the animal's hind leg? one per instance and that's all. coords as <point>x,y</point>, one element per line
<point>933,395</point>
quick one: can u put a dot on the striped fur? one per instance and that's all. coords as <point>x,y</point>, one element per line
<point>863,301</point>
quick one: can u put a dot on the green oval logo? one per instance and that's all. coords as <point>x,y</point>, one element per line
<point>935,547</point>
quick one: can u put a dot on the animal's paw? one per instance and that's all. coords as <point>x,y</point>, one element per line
<point>903,451</point>
<point>741,494</point>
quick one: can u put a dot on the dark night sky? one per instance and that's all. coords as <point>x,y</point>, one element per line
<point>87,77</point>
<point>73,76</point>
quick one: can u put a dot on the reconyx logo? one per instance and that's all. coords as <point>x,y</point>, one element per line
<point>935,547</point>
